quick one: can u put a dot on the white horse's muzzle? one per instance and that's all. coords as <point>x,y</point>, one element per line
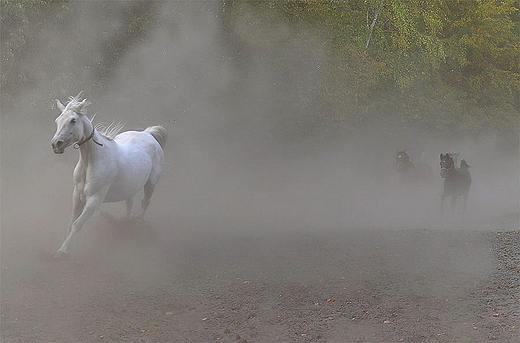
<point>58,146</point>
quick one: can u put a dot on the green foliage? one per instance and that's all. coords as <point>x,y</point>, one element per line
<point>28,24</point>
<point>452,65</point>
<point>20,26</point>
<point>446,64</point>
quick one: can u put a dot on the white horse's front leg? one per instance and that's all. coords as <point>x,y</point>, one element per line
<point>77,206</point>
<point>92,203</point>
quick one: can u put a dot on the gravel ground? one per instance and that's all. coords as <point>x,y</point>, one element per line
<point>129,283</point>
<point>499,309</point>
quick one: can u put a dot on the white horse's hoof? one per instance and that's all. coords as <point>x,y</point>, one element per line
<point>61,254</point>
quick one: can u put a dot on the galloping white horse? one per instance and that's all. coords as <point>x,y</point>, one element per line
<point>109,168</point>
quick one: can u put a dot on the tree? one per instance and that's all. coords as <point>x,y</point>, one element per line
<point>447,64</point>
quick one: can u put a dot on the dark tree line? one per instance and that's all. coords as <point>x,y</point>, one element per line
<point>451,65</point>
<point>446,64</point>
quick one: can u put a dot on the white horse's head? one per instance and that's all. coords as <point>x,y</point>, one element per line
<point>70,124</point>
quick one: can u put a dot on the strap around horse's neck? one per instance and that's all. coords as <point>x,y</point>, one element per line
<point>78,144</point>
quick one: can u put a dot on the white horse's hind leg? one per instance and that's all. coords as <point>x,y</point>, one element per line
<point>148,191</point>
<point>92,204</point>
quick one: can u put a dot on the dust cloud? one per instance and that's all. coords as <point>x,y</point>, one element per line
<point>246,157</point>
<point>244,150</point>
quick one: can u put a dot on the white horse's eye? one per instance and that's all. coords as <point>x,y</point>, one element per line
<point>73,121</point>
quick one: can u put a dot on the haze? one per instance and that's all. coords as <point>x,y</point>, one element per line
<point>244,154</point>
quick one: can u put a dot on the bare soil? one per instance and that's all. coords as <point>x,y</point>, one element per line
<point>129,281</point>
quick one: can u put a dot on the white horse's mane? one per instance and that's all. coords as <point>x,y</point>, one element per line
<point>76,104</point>
<point>109,131</point>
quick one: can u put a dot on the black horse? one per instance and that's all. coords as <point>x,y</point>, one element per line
<point>418,175</point>
<point>457,182</point>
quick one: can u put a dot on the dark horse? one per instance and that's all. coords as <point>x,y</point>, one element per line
<point>413,175</point>
<point>456,181</point>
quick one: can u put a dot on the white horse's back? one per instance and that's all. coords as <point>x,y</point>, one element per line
<point>142,156</point>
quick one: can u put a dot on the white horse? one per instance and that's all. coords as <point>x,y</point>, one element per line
<point>111,167</point>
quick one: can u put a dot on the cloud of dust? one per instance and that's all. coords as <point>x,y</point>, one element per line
<point>241,155</point>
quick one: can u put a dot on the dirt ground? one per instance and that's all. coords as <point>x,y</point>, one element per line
<point>127,281</point>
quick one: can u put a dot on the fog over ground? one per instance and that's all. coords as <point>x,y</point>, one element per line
<point>244,157</point>
<point>242,151</point>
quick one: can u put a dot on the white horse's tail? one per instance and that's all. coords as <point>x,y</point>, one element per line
<point>159,133</point>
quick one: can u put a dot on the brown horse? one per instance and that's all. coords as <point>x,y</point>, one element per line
<point>457,182</point>
<point>418,175</point>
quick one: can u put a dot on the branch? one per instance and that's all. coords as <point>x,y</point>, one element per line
<point>371,27</point>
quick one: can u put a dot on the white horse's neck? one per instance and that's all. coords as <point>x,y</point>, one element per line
<point>91,146</point>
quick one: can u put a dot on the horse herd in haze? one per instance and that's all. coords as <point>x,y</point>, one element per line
<point>116,166</point>
<point>457,180</point>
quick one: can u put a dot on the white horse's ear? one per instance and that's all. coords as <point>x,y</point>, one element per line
<point>82,107</point>
<point>61,107</point>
